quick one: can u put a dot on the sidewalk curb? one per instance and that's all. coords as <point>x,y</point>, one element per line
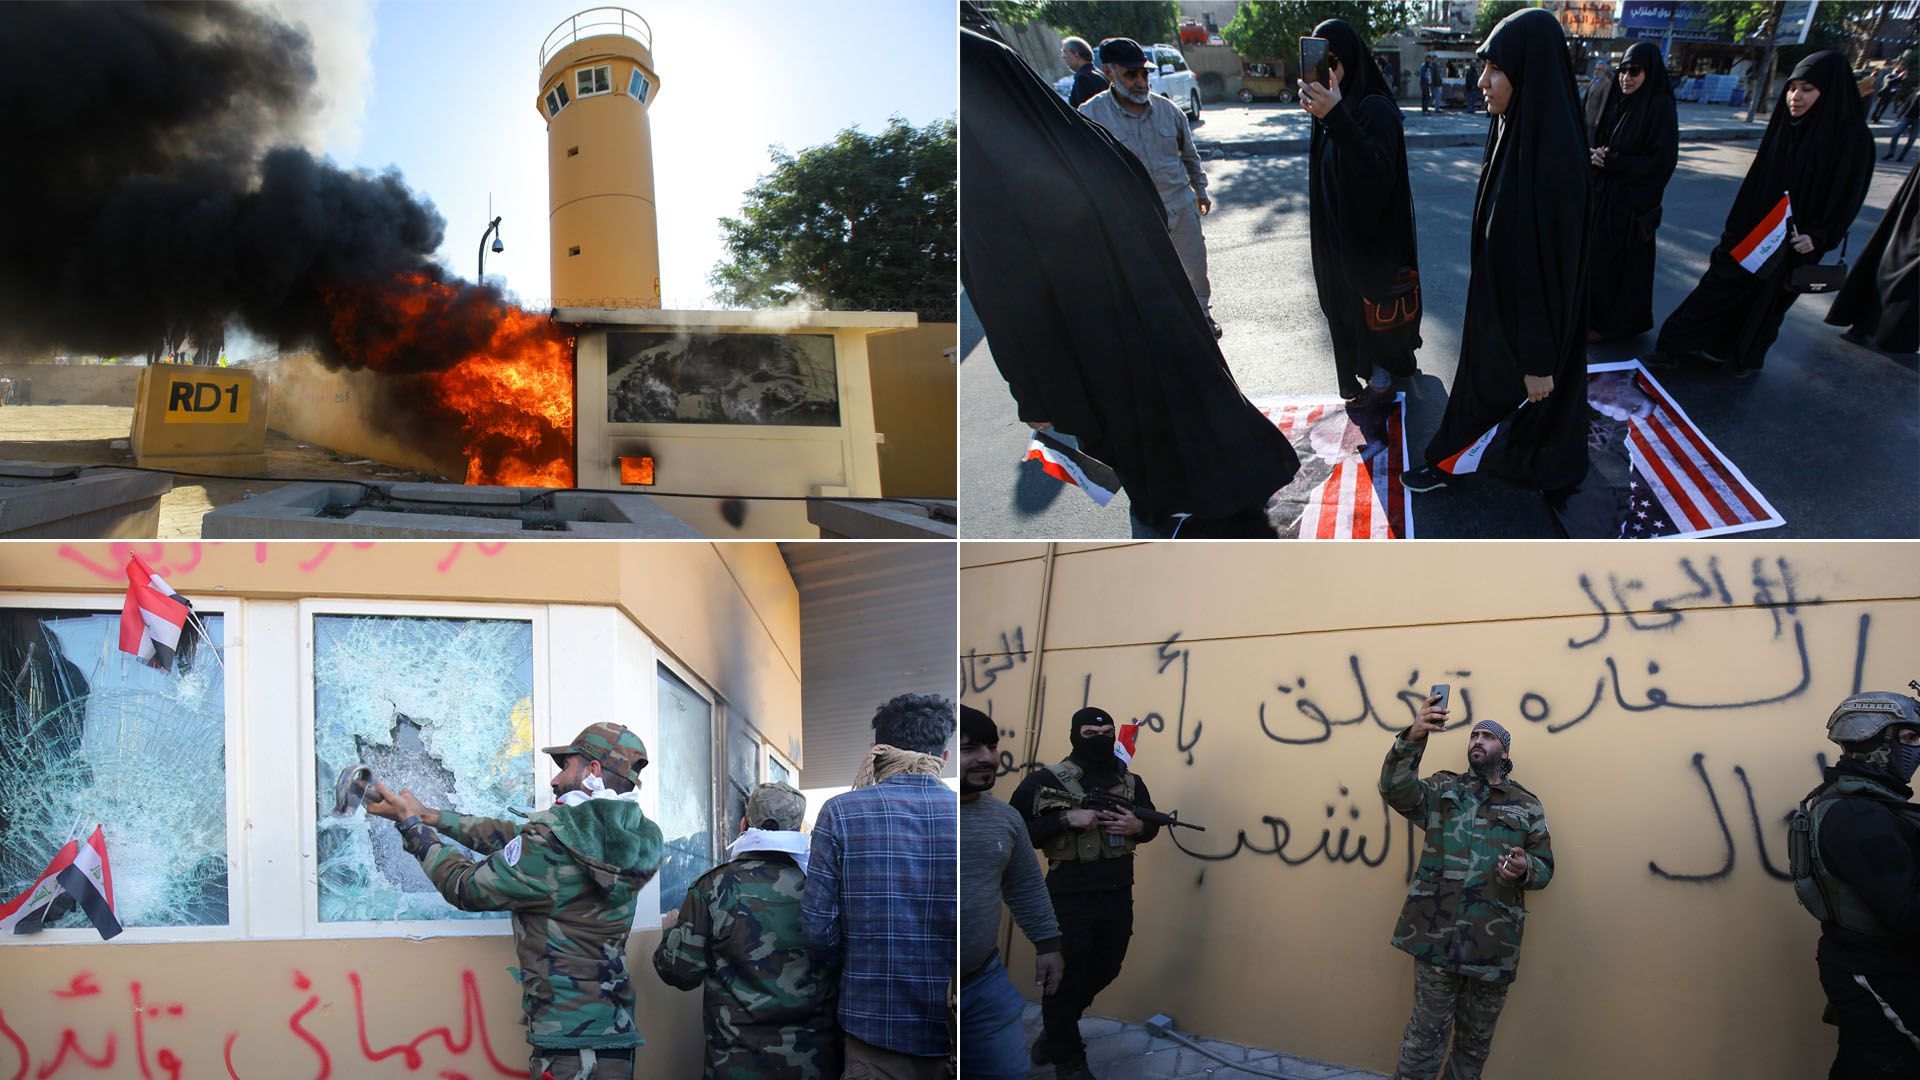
<point>1263,147</point>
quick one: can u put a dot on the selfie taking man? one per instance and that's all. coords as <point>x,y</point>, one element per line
<point>1486,844</point>
<point>1090,853</point>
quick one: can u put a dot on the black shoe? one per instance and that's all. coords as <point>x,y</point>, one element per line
<point>1424,478</point>
<point>1038,1055</point>
<point>1854,335</point>
<point>1668,361</point>
<point>1215,327</point>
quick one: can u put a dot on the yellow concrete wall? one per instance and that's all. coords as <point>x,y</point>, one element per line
<point>730,613</point>
<point>280,1009</point>
<point>914,391</point>
<point>353,412</point>
<point>200,418</point>
<point>74,384</point>
<point>1667,704</point>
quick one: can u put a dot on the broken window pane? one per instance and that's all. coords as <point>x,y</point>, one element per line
<point>89,735</point>
<point>689,378</point>
<point>443,707</point>
<point>685,760</point>
<point>743,771</point>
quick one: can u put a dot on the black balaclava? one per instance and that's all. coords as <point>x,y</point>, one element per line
<point>1095,754</point>
<point>1885,753</point>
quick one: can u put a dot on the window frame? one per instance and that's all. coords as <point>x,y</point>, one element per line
<point>768,756</point>
<point>592,73</point>
<point>307,825</point>
<point>233,692</point>
<point>639,76</point>
<point>559,92</point>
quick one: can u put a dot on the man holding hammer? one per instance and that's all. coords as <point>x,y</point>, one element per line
<point>570,875</point>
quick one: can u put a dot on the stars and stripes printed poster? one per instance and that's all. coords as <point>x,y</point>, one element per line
<point>1680,484</point>
<point>1348,486</point>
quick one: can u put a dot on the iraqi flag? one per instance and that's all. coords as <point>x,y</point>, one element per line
<point>1123,743</point>
<point>1753,252</point>
<point>79,871</point>
<point>1073,466</point>
<point>153,620</point>
<point>1461,462</point>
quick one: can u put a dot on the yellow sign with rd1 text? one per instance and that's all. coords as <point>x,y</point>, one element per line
<point>209,398</point>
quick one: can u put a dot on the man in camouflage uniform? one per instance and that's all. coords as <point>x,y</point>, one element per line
<point>1486,843</point>
<point>571,875</point>
<point>768,1002</point>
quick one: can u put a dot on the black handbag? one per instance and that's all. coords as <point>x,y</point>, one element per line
<point>1820,277</point>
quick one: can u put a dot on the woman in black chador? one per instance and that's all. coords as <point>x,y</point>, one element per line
<point>1633,158</point>
<point>1523,342</point>
<point>1364,261</point>
<point>1881,299</point>
<point>1818,153</point>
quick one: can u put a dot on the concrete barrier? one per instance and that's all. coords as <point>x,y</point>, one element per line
<point>351,511</point>
<point>69,502</point>
<point>73,384</point>
<point>200,419</point>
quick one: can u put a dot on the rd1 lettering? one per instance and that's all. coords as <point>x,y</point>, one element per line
<point>201,401</point>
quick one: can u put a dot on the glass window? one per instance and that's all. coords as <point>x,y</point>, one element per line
<point>784,379</point>
<point>743,773</point>
<point>90,736</point>
<point>637,86</point>
<point>594,80</point>
<point>441,706</point>
<point>685,757</point>
<point>777,772</point>
<point>553,103</point>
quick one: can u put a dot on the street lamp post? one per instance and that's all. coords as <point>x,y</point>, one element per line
<point>493,230</point>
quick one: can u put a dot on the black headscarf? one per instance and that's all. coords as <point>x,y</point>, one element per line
<point>1362,75</point>
<point>1634,122</point>
<point>1823,160</point>
<point>1361,204</point>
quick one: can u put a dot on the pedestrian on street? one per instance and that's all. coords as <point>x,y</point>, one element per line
<point>1087,80</point>
<point>1090,876</point>
<point>1818,153</point>
<point>1599,89</point>
<point>1476,99</point>
<point>767,1001</point>
<point>1365,263</point>
<point>1880,302</point>
<point>1858,871</point>
<point>1429,81</point>
<point>1639,146</point>
<point>1156,131</point>
<point>1906,121</point>
<point>996,864</point>
<point>1486,846</point>
<point>1113,349</point>
<point>1518,405</point>
<point>1889,92</point>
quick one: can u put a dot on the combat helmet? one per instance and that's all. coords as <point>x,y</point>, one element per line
<point>1864,715</point>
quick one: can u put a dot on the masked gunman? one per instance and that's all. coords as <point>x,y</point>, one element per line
<point>570,875</point>
<point>1854,846</point>
<point>1090,856</point>
<point>1486,844</point>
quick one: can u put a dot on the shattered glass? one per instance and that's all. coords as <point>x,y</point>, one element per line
<point>743,771</point>
<point>442,707</point>
<point>685,756</point>
<point>91,736</point>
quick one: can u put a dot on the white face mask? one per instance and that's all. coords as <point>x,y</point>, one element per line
<point>591,782</point>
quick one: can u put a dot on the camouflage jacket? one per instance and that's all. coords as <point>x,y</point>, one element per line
<point>1460,914</point>
<point>769,1003</point>
<point>570,875</point>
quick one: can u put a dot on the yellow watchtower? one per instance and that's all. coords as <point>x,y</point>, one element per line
<point>597,82</point>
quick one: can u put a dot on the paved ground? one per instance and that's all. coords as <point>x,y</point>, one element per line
<point>1117,1050</point>
<point>1829,432</point>
<point>86,434</point>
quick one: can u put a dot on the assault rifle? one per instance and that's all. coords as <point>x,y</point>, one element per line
<point>1049,799</point>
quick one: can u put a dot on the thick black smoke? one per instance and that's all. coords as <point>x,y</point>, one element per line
<point>150,188</point>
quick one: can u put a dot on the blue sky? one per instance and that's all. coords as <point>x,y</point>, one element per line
<point>449,101</point>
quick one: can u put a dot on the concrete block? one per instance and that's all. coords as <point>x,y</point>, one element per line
<point>883,520</point>
<point>200,419</point>
<point>69,502</point>
<point>340,511</point>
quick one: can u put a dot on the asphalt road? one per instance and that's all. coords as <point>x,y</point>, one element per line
<point>1829,432</point>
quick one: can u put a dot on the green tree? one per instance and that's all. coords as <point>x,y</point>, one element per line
<point>1145,22</point>
<point>862,222</point>
<point>1271,29</point>
<point>1490,14</point>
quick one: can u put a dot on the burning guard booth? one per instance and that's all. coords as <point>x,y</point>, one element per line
<point>729,403</point>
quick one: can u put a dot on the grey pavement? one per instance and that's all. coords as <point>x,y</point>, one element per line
<point>1829,432</point>
<point>1117,1050</point>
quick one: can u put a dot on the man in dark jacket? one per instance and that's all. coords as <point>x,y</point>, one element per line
<point>1087,80</point>
<point>1863,882</point>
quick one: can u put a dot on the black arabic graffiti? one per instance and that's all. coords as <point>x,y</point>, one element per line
<point>979,672</point>
<point>1412,698</point>
<point>1328,848</point>
<point>1728,854</point>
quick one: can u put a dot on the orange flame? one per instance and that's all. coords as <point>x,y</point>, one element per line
<point>511,386</point>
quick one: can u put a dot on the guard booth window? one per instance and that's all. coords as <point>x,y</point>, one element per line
<point>684,759</point>
<point>593,80</point>
<point>637,86</point>
<point>556,99</point>
<point>91,736</point>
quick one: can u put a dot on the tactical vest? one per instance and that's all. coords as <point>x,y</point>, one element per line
<point>1825,896</point>
<point>1074,845</point>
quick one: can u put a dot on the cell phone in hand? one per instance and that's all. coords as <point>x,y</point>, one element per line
<point>1444,692</point>
<point>1316,64</point>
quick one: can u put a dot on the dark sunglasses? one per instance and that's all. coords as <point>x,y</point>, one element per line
<point>1632,69</point>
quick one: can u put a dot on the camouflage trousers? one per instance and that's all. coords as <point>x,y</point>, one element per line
<point>1445,1004</point>
<point>581,1064</point>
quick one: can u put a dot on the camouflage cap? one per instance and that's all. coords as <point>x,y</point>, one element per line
<point>618,750</point>
<point>779,803</point>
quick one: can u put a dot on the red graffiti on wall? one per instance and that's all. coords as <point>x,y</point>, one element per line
<point>81,986</point>
<point>179,559</point>
<point>472,1013</point>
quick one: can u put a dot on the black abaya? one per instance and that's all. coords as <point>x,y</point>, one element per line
<point>1527,296</point>
<point>1823,162</point>
<point>1066,259</point>
<point>1881,299</point>
<point>1641,132</point>
<point>1361,211</point>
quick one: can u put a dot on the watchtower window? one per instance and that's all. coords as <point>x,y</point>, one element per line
<point>593,80</point>
<point>575,250</point>
<point>556,99</point>
<point>637,87</point>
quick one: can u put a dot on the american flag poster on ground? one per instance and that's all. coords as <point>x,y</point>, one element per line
<point>1669,480</point>
<point>1348,486</point>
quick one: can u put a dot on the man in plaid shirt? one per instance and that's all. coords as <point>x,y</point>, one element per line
<point>882,896</point>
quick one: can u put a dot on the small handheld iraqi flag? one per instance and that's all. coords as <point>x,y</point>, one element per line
<point>80,871</point>
<point>1076,467</point>
<point>1123,743</point>
<point>1753,252</point>
<point>1462,462</point>
<point>154,619</point>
